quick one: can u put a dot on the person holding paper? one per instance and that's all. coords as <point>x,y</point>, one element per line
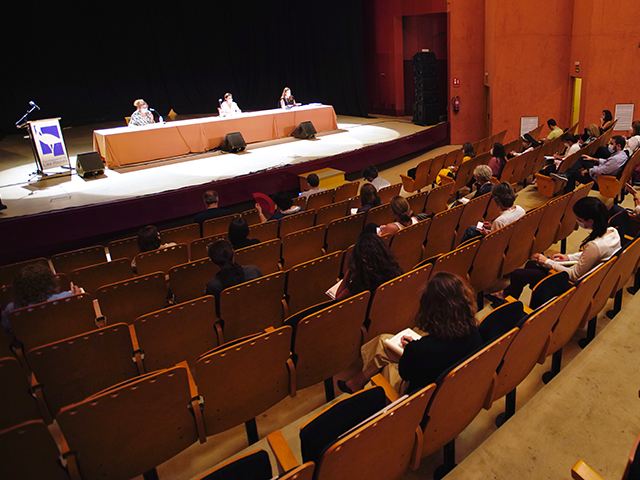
<point>448,333</point>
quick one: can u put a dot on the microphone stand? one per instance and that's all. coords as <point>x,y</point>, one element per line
<point>22,123</point>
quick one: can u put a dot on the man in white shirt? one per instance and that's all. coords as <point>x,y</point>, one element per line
<point>633,139</point>
<point>370,175</point>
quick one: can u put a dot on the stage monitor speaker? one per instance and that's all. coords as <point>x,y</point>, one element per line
<point>233,142</point>
<point>304,130</point>
<point>89,164</point>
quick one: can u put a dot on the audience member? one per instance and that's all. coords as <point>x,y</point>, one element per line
<point>313,181</point>
<point>528,144</point>
<point>606,121</point>
<point>370,265</point>
<point>402,214</point>
<point>445,320</point>
<point>284,207</point>
<point>633,138</point>
<point>368,197</point>
<point>34,284</point>
<point>482,180</point>
<point>591,133</point>
<point>148,240</point>
<point>239,234</point>
<point>450,171</point>
<point>370,175</point>
<point>556,131</point>
<point>498,159</point>
<point>571,144</point>
<point>229,272</point>
<point>210,199</point>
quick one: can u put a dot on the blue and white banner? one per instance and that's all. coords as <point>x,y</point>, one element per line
<point>47,137</point>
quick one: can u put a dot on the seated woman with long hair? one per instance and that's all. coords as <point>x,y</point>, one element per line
<point>368,197</point>
<point>229,272</point>
<point>149,239</point>
<point>239,234</point>
<point>446,320</point>
<point>370,265</point>
<point>498,159</point>
<point>599,246</point>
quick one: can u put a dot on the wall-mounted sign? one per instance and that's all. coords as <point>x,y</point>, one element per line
<point>456,83</point>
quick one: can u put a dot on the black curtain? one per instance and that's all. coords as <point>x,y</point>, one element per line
<point>89,64</point>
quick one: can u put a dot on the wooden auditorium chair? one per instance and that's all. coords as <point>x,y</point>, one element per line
<point>458,261</point>
<point>264,255</point>
<point>68,261</point>
<point>95,276</point>
<point>520,246</point>
<point>411,185</point>
<point>216,226</point>
<point>630,259</point>
<point>320,199</point>
<point>184,234</point>
<point>264,231</point>
<point>9,272</point>
<point>123,248</point>
<point>472,213</point>
<point>407,244</point>
<point>325,215</point>
<point>343,232</point>
<point>437,199</point>
<point>417,201</point>
<point>303,245</point>
<point>442,233</point>
<point>346,191</point>
<point>437,164</point>
<point>568,223</point>
<point>17,403</point>
<point>162,259</point>
<point>308,282</point>
<point>380,215</point>
<point>387,193</point>
<point>296,222</point>
<point>251,216</point>
<point>613,186</point>
<point>550,222</point>
<point>188,281</point>
<point>198,247</point>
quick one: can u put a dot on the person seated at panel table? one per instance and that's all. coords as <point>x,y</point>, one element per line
<point>287,100</point>
<point>142,115</point>
<point>228,107</point>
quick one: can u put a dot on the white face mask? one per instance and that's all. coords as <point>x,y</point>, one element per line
<point>582,225</point>
<point>144,110</point>
<point>611,149</point>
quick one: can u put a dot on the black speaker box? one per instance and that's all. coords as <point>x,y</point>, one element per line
<point>425,114</point>
<point>233,142</point>
<point>426,84</point>
<point>89,164</point>
<point>427,97</point>
<point>304,130</point>
<point>423,59</point>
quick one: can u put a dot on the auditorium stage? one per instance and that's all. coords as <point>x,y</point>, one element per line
<point>46,215</point>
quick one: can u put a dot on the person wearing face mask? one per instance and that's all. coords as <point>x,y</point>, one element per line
<point>142,115</point>
<point>599,246</point>
<point>587,168</point>
<point>287,100</point>
<point>571,144</point>
<point>228,107</point>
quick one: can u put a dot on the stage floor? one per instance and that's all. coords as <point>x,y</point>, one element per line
<point>25,194</point>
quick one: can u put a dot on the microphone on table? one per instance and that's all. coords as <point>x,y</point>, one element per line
<point>160,119</point>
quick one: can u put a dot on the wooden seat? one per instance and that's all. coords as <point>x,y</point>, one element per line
<point>241,381</point>
<point>265,256</point>
<point>185,234</point>
<point>51,321</point>
<point>442,233</point>
<point>264,231</point>
<point>568,223</point>
<point>549,186</point>
<point>127,300</point>
<point>216,226</point>
<point>440,161</point>
<point>472,213</point>
<point>343,232</point>
<point>124,248</point>
<point>407,244</point>
<point>628,265</point>
<point>308,282</point>
<point>328,342</point>
<point>459,397</point>
<point>458,261</point>
<point>320,199</point>
<point>613,186</point>
<point>133,427</point>
<point>95,276</point>
<point>387,193</point>
<point>550,222</point>
<point>177,334</point>
<point>400,296</point>
<point>162,259</point>
<point>524,352</point>
<point>487,264</point>
<point>296,222</point>
<point>72,369</point>
<point>17,404</point>
<point>411,185</point>
<point>188,281</point>
<point>29,451</point>
<point>437,199</point>
<point>521,247</point>
<point>380,215</point>
<point>346,191</point>
<point>251,216</point>
<point>198,248</point>
<point>252,306</point>
<point>465,171</point>
<point>303,245</point>
<point>255,465</point>
<point>8,272</point>
<point>300,201</point>
<point>328,213</point>
<point>417,201</point>
<point>69,261</point>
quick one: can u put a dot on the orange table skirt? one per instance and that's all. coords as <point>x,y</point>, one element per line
<point>130,145</point>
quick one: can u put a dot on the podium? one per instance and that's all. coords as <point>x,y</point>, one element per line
<point>48,145</point>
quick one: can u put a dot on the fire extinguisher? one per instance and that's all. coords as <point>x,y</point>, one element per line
<point>455,102</point>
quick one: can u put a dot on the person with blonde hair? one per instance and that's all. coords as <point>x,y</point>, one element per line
<point>402,214</point>
<point>286,99</point>
<point>142,115</point>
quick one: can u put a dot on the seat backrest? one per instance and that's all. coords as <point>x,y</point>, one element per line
<point>520,248</point>
<point>487,264</point>
<point>343,232</point>
<point>241,381</point>
<point>458,261</point>
<point>437,163</point>
<point>297,221</point>
<point>252,306</point>
<point>380,215</point>
<point>29,451</point>
<point>77,367</point>
<point>123,248</point>
<point>366,452</point>
<point>437,199</point>
<point>395,303</point>
<point>422,174</point>
<point>133,427</point>
<point>94,276</point>
<point>177,334</point>
<point>328,341</point>
<point>550,222</point>
<point>629,264</point>
<point>265,256</point>
<point>407,244</point>
<point>303,245</point>
<point>472,213</point>
<point>465,172</point>
<point>461,394</point>
<point>198,248</point>
<point>162,259</point>
<point>308,282</point>
<point>332,211</point>
<point>51,321</point>
<point>184,234</point>
<point>8,272</point>
<point>251,216</point>
<point>609,284</point>
<point>188,281</point>
<point>508,172</point>
<point>127,300</point>
<point>442,233</point>
<point>346,191</point>
<point>69,261</point>
<point>264,231</point>
<point>216,226</point>
<point>387,193</point>
<point>16,402</point>
<point>417,201</point>
<point>320,199</point>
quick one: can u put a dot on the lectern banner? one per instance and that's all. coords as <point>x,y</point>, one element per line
<point>49,143</point>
